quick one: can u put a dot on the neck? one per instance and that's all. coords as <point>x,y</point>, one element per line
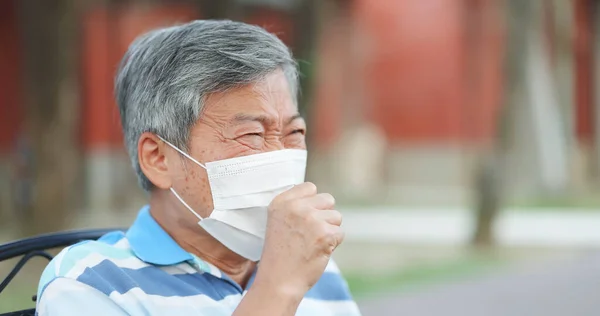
<point>183,227</point>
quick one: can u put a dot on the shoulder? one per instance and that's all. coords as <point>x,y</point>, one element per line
<point>90,261</point>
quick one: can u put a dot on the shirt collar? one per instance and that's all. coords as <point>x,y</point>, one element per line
<point>152,244</point>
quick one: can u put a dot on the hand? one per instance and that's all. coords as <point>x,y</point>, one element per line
<point>302,232</point>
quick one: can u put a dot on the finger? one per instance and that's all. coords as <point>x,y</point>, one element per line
<point>322,201</point>
<point>332,217</point>
<point>336,238</point>
<point>302,190</point>
<point>339,235</point>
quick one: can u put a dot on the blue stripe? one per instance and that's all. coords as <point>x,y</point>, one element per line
<point>330,287</point>
<point>107,277</point>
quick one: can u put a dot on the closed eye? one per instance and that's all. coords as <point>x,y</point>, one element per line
<point>298,131</point>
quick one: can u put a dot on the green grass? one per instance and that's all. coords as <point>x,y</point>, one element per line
<point>18,294</point>
<point>591,203</point>
<point>365,284</point>
<point>17,297</point>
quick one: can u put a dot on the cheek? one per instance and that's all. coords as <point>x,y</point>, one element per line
<point>197,189</point>
<point>195,180</point>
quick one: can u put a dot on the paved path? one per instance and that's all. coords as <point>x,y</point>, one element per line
<point>515,228</point>
<point>565,288</point>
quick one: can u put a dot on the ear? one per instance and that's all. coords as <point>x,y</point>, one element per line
<point>153,160</point>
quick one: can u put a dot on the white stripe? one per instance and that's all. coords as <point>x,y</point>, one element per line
<point>94,258</point>
<point>68,297</point>
<point>123,243</point>
<point>132,262</point>
<point>214,270</point>
<point>182,268</point>
<point>332,267</point>
<point>310,306</point>
<point>58,260</point>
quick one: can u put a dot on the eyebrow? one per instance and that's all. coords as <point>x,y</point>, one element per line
<point>263,119</point>
<point>293,118</point>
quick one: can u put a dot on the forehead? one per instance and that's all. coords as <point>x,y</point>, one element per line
<point>270,96</point>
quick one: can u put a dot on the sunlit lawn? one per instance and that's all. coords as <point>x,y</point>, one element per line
<point>19,292</point>
<point>419,276</point>
<point>17,296</point>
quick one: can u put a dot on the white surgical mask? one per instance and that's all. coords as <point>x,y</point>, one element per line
<point>242,189</point>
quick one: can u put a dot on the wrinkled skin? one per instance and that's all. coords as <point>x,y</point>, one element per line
<point>252,119</point>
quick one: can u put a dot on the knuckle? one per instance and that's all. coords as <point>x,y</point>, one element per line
<point>328,242</point>
<point>278,199</point>
<point>311,216</point>
<point>311,187</point>
<point>296,205</point>
<point>341,236</point>
<point>329,199</point>
<point>338,216</point>
<point>324,237</point>
<point>277,203</point>
<point>274,203</point>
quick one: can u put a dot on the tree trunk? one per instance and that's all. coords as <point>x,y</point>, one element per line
<point>306,26</point>
<point>52,110</point>
<point>489,180</point>
<point>222,9</point>
<point>595,86</point>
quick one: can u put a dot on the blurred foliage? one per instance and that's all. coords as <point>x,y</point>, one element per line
<point>17,296</point>
<point>422,274</point>
<point>557,203</point>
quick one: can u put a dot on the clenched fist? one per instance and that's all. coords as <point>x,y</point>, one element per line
<point>303,230</point>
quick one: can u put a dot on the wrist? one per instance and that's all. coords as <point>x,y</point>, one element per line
<point>276,287</point>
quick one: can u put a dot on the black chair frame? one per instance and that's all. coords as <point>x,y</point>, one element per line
<point>37,246</point>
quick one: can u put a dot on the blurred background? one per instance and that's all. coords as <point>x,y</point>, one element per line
<point>459,137</point>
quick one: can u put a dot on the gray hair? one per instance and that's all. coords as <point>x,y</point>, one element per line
<point>166,75</point>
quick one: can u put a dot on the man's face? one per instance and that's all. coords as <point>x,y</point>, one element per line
<point>250,120</point>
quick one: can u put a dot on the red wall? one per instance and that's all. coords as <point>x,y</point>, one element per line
<point>408,69</point>
<point>584,64</point>
<point>10,77</point>
<point>106,37</point>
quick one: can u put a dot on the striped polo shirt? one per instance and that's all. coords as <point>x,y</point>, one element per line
<point>145,272</point>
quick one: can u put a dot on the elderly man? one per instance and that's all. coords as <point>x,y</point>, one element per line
<point>211,124</point>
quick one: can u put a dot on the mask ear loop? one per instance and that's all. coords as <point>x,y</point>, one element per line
<point>185,204</point>
<point>171,188</point>
<point>182,152</point>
